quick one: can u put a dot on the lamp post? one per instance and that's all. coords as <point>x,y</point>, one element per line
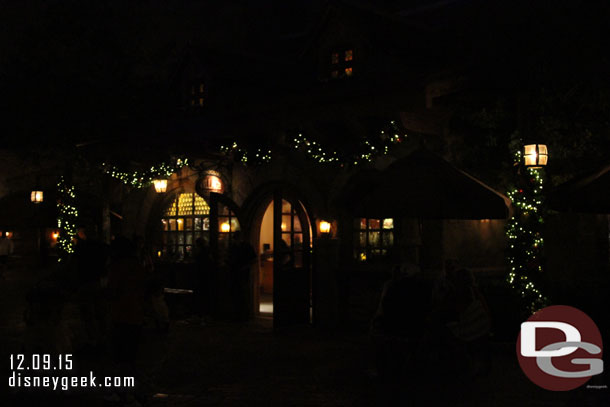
<point>37,197</point>
<point>525,228</point>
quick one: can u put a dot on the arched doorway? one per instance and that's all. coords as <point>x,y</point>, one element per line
<point>282,283</point>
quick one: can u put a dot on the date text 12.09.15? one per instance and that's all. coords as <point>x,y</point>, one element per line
<point>41,362</point>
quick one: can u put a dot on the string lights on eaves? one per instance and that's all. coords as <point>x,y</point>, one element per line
<point>260,156</point>
<point>315,151</point>
<point>142,179</point>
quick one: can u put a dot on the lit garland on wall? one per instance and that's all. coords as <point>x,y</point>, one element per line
<point>320,154</point>
<point>525,241</point>
<point>66,219</point>
<point>314,150</point>
<point>142,179</point>
<point>242,155</point>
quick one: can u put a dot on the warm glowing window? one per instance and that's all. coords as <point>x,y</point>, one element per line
<point>341,63</point>
<point>372,237</point>
<point>197,94</point>
<point>227,226</point>
<point>184,221</point>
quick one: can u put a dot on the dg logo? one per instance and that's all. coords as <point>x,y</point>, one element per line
<point>560,348</point>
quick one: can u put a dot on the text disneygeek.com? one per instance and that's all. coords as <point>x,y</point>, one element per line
<point>30,371</point>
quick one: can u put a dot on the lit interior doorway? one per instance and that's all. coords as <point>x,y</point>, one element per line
<point>289,258</point>
<point>265,270</point>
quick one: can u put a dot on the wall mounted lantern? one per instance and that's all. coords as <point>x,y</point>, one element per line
<point>325,228</point>
<point>36,196</point>
<point>160,185</point>
<point>536,155</point>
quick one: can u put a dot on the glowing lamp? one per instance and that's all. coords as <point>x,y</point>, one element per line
<point>225,227</point>
<point>215,184</point>
<point>211,183</point>
<point>536,155</point>
<point>55,235</point>
<point>324,227</point>
<point>36,196</point>
<point>160,185</point>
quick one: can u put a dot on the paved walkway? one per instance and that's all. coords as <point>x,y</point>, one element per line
<point>231,364</point>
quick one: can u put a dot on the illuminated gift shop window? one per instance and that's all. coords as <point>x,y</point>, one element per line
<point>341,63</point>
<point>185,220</point>
<point>372,238</point>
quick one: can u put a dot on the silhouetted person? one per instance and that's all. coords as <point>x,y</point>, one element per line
<point>284,256</point>
<point>155,295</point>
<point>472,321</point>
<point>126,290</point>
<point>90,263</point>
<point>90,257</point>
<point>6,250</point>
<point>203,278</point>
<point>241,256</point>
<point>398,326</point>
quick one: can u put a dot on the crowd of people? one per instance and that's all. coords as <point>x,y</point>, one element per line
<point>116,290</point>
<point>427,328</point>
<point>110,292</point>
<point>421,327</point>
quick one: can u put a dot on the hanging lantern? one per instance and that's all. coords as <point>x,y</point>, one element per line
<point>160,185</point>
<point>210,182</point>
<point>536,155</point>
<point>36,196</point>
<point>325,227</point>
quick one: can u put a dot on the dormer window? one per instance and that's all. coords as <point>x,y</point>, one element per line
<point>341,63</point>
<point>197,95</point>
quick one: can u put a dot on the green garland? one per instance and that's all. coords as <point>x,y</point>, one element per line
<point>242,155</point>
<point>66,218</point>
<point>142,179</point>
<point>316,152</point>
<point>525,242</point>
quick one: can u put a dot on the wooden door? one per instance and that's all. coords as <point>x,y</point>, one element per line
<point>292,262</point>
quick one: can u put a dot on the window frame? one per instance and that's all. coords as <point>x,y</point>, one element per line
<point>164,253</point>
<point>196,93</point>
<point>370,250</point>
<point>339,69</point>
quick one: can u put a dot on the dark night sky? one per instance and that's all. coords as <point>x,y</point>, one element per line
<point>72,68</point>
